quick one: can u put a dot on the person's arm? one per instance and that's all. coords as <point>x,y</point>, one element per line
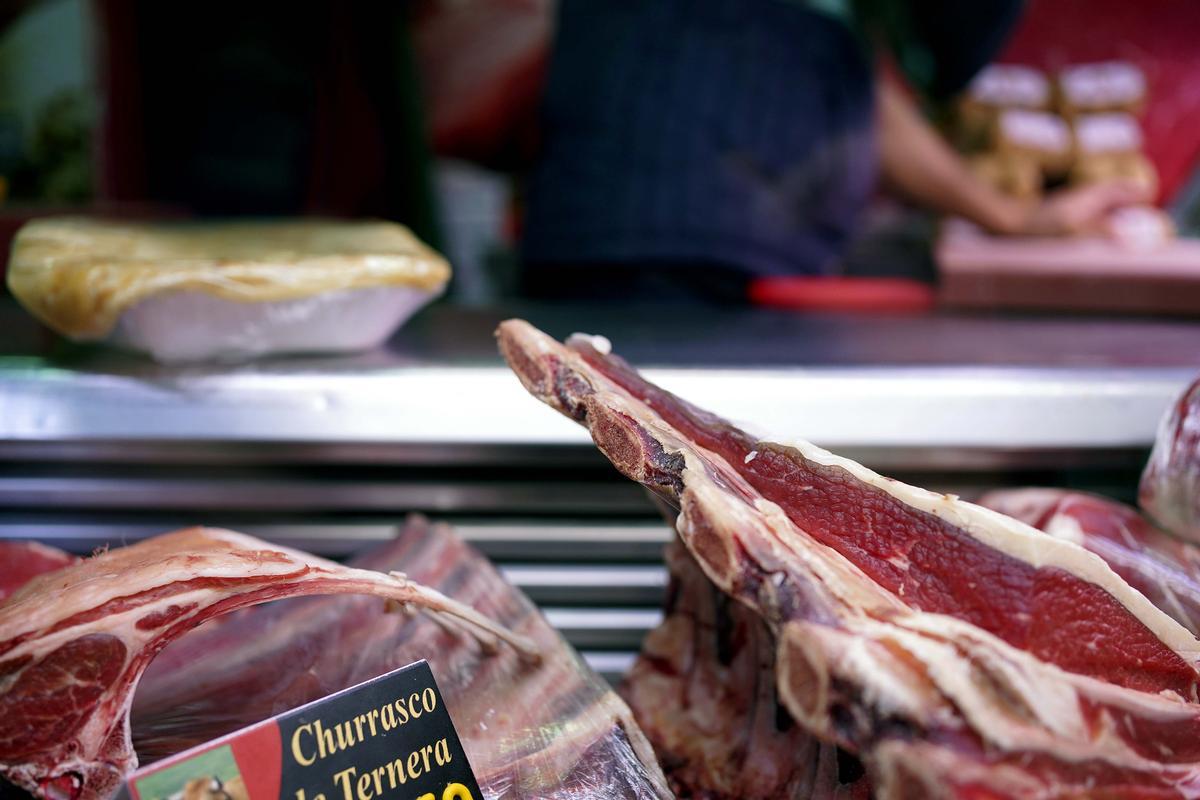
<point>918,163</point>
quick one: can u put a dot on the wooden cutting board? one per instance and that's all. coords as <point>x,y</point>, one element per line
<point>981,271</point>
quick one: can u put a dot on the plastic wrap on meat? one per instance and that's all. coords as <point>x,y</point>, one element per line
<point>703,690</point>
<point>958,652</point>
<point>262,661</point>
<point>21,561</point>
<point>74,642</point>
<point>552,730</point>
<point>1160,566</point>
<point>1170,488</point>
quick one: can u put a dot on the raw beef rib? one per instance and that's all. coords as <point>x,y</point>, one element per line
<point>709,669</point>
<point>1160,566</point>
<point>22,561</point>
<point>550,731</point>
<point>1170,489</point>
<point>960,653</point>
<point>74,642</point>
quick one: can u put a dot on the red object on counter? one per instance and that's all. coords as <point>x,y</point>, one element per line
<point>884,295</point>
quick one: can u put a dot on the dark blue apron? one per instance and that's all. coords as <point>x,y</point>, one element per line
<point>735,133</point>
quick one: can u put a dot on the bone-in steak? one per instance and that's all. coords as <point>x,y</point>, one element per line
<point>958,652</point>
<point>703,689</point>
<point>74,642</point>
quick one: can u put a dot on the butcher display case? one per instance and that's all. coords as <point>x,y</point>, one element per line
<point>331,454</point>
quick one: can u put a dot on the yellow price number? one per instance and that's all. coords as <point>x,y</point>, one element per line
<point>453,791</point>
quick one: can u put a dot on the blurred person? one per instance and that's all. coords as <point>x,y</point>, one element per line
<point>691,146</point>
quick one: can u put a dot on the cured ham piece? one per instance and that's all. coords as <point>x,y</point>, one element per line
<point>703,689</point>
<point>1170,488</point>
<point>74,642</point>
<point>958,652</point>
<point>550,730</point>
<point>22,561</point>
<point>1160,566</point>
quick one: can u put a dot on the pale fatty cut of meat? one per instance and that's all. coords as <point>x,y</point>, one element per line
<point>957,652</point>
<point>79,274</point>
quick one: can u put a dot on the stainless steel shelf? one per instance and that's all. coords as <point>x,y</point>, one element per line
<point>485,410</point>
<point>939,387</point>
<point>611,629</point>
<point>589,585</point>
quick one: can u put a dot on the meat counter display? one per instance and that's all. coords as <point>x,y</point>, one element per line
<point>828,631</point>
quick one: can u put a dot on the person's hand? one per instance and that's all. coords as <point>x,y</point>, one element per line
<point>1078,211</point>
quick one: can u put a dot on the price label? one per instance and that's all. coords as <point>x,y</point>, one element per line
<point>390,738</point>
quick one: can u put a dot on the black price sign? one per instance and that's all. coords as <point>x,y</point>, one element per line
<point>390,737</point>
